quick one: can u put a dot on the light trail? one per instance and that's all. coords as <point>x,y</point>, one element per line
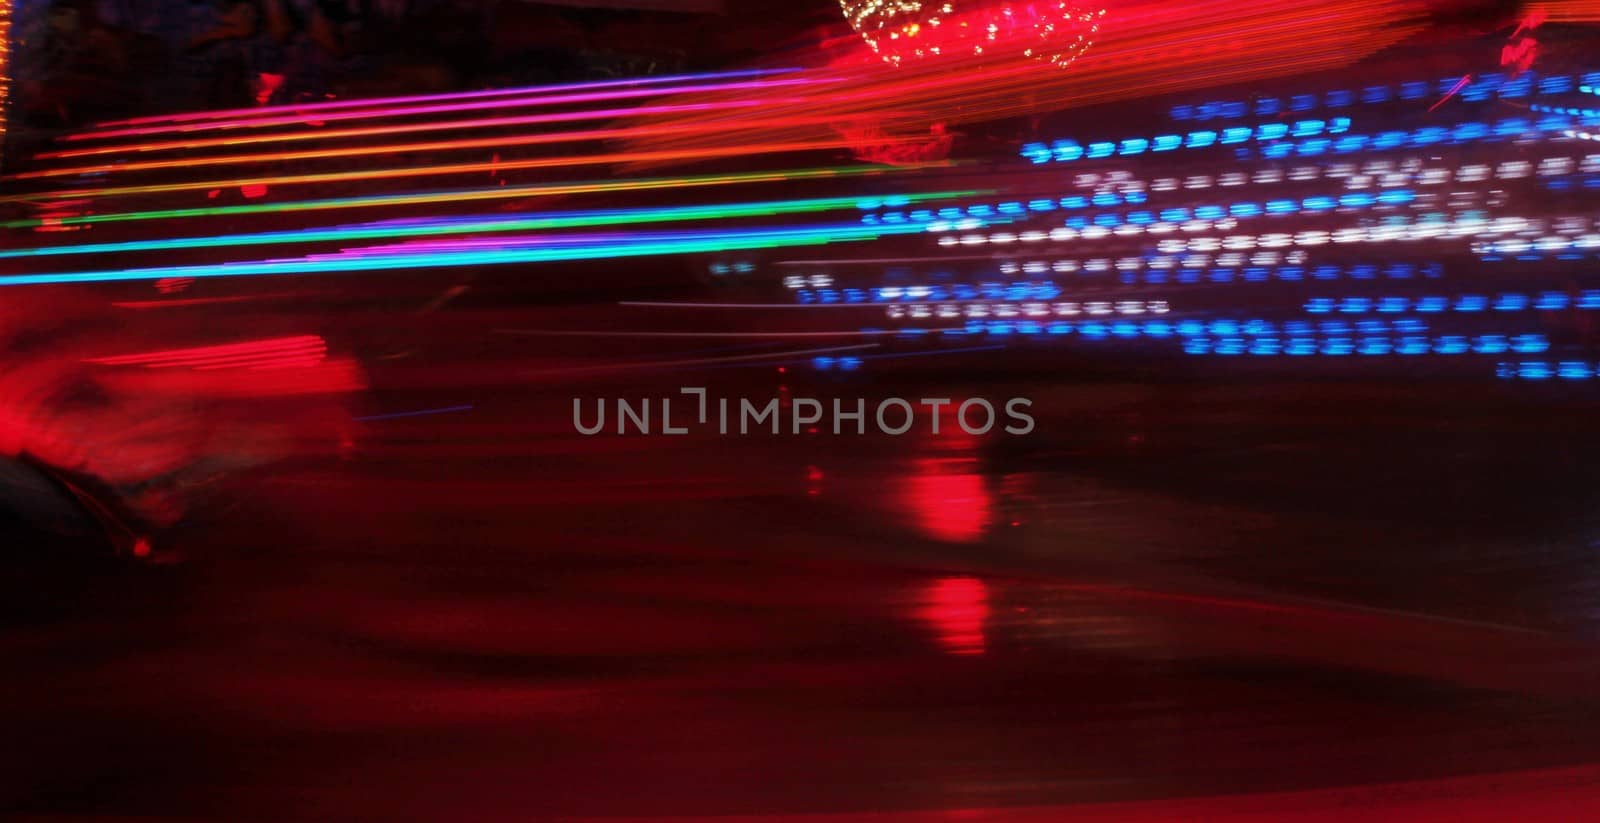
<point>513,102</point>
<point>457,196</point>
<point>540,250</point>
<point>508,223</point>
<point>666,304</point>
<point>754,359</point>
<point>369,131</point>
<point>410,414</point>
<point>496,143</point>
<point>775,335</point>
<point>435,171</point>
<point>429,98</point>
<point>1148,50</point>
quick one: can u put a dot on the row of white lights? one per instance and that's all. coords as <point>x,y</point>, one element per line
<point>979,308</point>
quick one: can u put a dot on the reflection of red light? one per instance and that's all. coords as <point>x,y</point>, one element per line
<point>957,608</point>
<point>948,500</point>
<point>814,477</point>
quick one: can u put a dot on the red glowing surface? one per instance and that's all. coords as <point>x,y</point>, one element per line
<point>276,353</point>
<point>901,31</point>
<point>948,500</point>
<point>957,609</point>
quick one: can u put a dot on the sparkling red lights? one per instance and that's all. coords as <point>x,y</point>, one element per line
<point>901,30</point>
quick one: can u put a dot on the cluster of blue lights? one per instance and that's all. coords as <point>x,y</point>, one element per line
<point>1545,370</point>
<point>1293,339</point>
<point>1093,329</point>
<point>1008,209</point>
<point>1063,151</point>
<point>1258,328</point>
<point>1543,301</point>
<point>1572,110</point>
<point>1370,345</point>
<point>1162,329</point>
<point>1572,181</point>
<point>836,363</point>
<point>1504,129</point>
<point>1476,91</point>
<point>1353,200</point>
<point>1288,274</point>
<point>1025,290</point>
<point>892,201</point>
<point>1416,325</point>
<point>1534,256</point>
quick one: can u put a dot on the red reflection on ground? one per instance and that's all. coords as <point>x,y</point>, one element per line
<point>957,608</point>
<point>948,500</point>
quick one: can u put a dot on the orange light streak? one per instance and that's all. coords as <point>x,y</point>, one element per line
<point>317,118</point>
<point>494,142</point>
<point>374,131</point>
<point>701,153</point>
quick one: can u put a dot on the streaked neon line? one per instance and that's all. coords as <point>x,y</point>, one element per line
<point>140,305</point>
<point>667,304</point>
<point>780,356</point>
<point>458,196</point>
<point>878,261</point>
<point>433,171</point>
<point>509,223</point>
<point>426,98</point>
<point>276,352</point>
<point>496,142</point>
<point>545,250</point>
<point>1451,93</point>
<point>901,355</point>
<point>422,413</point>
<point>367,114</point>
<point>717,334</point>
<point>407,128</point>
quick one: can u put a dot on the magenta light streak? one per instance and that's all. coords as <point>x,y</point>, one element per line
<point>775,335</point>
<point>657,304</point>
<point>425,98</point>
<point>448,125</point>
<point>393,112</point>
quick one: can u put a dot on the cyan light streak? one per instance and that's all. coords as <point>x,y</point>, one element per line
<point>533,250</point>
<point>452,196</point>
<point>459,226</point>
